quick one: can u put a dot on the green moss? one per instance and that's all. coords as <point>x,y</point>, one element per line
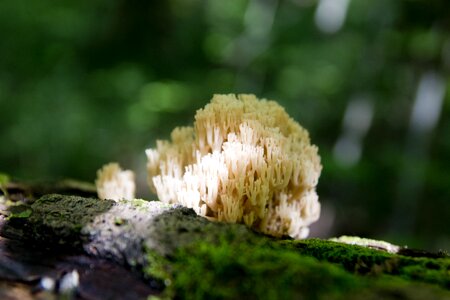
<point>228,263</point>
<point>266,269</point>
<point>4,180</point>
<point>17,210</point>
<point>362,260</point>
<point>420,269</point>
<point>57,219</point>
<point>159,270</point>
<point>138,203</point>
<point>119,221</point>
<point>353,258</point>
<point>24,213</point>
<point>232,271</point>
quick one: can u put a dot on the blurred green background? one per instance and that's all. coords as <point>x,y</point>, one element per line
<point>87,82</point>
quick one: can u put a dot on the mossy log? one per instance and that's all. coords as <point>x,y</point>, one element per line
<point>187,256</point>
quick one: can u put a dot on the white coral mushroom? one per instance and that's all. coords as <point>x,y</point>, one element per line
<point>245,161</point>
<point>114,183</point>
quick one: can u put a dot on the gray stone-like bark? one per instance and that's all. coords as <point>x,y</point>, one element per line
<point>121,231</point>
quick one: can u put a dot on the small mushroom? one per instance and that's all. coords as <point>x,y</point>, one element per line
<point>114,183</point>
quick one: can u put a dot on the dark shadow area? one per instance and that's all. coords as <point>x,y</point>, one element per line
<point>98,278</point>
<point>41,242</point>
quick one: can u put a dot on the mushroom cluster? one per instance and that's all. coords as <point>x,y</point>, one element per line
<point>114,183</point>
<point>244,161</point>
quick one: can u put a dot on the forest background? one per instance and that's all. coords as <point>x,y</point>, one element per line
<point>88,82</point>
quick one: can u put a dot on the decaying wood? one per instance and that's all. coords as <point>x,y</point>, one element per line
<point>113,245</point>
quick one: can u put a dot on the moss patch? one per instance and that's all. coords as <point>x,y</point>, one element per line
<point>266,269</point>
<point>236,265</point>
<point>224,261</point>
<point>225,271</point>
<point>58,220</point>
<point>362,260</point>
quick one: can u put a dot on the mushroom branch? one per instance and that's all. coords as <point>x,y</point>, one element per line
<point>243,161</point>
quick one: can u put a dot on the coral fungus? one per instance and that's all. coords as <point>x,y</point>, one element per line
<point>244,161</point>
<point>114,183</point>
